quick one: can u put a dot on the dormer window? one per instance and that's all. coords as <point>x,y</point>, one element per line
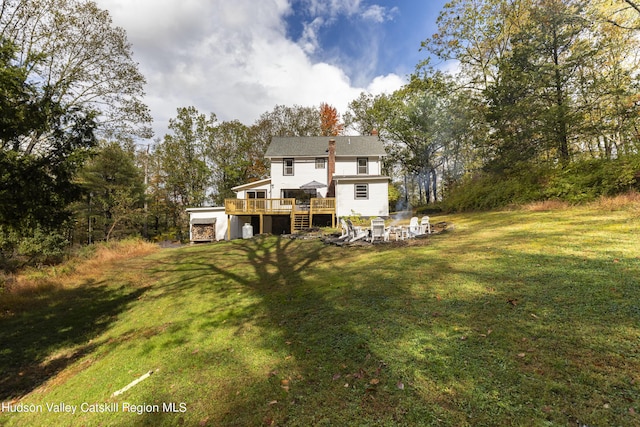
<point>288,167</point>
<point>363,166</point>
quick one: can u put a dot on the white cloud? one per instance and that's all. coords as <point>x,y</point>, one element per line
<point>232,58</point>
<point>309,40</point>
<point>385,84</point>
<point>378,13</point>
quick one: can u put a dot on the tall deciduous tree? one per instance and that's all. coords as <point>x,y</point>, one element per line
<point>87,62</point>
<point>36,188</point>
<point>330,124</point>
<point>533,101</point>
<point>360,115</point>
<point>286,121</point>
<point>476,34</point>
<point>232,158</point>
<point>182,156</point>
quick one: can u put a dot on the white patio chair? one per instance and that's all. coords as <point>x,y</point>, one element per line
<point>346,232</point>
<point>356,233</point>
<point>378,231</point>
<point>425,225</point>
<point>414,227</point>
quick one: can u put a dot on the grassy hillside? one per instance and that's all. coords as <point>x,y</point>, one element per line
<point>528,317</point>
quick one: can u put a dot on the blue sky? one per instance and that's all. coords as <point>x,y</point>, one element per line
<point>240,58</point>
<point>386,40</point>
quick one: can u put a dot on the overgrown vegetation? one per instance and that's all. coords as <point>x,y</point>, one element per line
<point>579,182</point>
<point>527,317</point>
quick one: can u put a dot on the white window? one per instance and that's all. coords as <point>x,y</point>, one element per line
<point>288,167</point>
<point>320,163</point>
<point>361,191</point>
<point>362,166</point>
<point>256,194</point>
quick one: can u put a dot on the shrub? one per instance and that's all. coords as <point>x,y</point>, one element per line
<point>485,191</point>
<point>43,247</point>
<point>580,181</point>
<point>586,180</point>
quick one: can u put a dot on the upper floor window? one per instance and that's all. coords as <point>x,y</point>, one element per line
<point>363,168</point>
<point>288,167</point>
<point>320,163</point>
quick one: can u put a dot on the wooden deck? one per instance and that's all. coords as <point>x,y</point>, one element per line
<point>301,215</point>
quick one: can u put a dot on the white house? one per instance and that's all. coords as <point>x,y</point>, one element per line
<point>314,181</point>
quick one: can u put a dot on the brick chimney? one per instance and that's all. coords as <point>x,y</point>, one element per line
<point>331,168</point>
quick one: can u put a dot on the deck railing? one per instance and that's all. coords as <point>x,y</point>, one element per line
<point>326,205</point>
<point>277,206</point>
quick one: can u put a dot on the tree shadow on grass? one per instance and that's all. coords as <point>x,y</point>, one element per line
<point>55,332</point>
<point>324,329</point>
<point>460,353</point>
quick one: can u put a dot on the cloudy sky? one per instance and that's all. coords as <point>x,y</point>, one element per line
<point>240,58</point>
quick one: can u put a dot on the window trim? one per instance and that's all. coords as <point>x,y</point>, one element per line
<point>364,188</point>
<point>285,166</point>
<point>366,165</point>
<point>257,194</point>
<point>321,163</point>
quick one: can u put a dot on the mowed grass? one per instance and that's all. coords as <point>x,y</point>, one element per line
<point>527,317</point>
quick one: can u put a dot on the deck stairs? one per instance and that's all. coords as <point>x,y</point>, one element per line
<point>300,222</point>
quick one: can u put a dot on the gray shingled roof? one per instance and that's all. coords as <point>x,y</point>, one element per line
<point>317,146</point>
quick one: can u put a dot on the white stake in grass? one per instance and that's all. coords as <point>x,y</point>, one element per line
<point>132,383</point>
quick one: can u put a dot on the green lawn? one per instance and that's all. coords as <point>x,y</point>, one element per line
<point>512,318</point>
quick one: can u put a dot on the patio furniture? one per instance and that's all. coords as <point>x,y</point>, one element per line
<point>378,230</point>
<point>356,233</point>
<point>414,227</point>
<point>399,231</point>
<point>425,225</point>
<point>346,232</point>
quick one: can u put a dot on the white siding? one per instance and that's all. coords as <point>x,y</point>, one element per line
<point>206,213</point>
<point>377,203</point>
<point>349,166</point>
<point>304,171</point>
<point>242,194</point>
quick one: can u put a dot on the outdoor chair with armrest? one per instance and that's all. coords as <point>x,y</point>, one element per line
<point>378,230</point>
<point>425,225</point>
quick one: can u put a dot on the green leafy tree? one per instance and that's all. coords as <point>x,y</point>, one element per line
<point>114,191</point>
<point>476,34</point>
<point>359,115</point>
<point>534,104</point>
<point>285,121</point>
<point>232,158</point>
<point>185,174</point>
<point>608,89</point>
<point>86,63</point>
<point>36,188</point>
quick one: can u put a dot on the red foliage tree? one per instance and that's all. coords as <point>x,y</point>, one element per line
<point>330,124</point>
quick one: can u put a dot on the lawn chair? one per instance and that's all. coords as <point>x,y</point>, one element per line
<point>425,225</point>
<point>414,227</point>
<point>356,233</point>
<point>378,231</point>
<point>345,230</point>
